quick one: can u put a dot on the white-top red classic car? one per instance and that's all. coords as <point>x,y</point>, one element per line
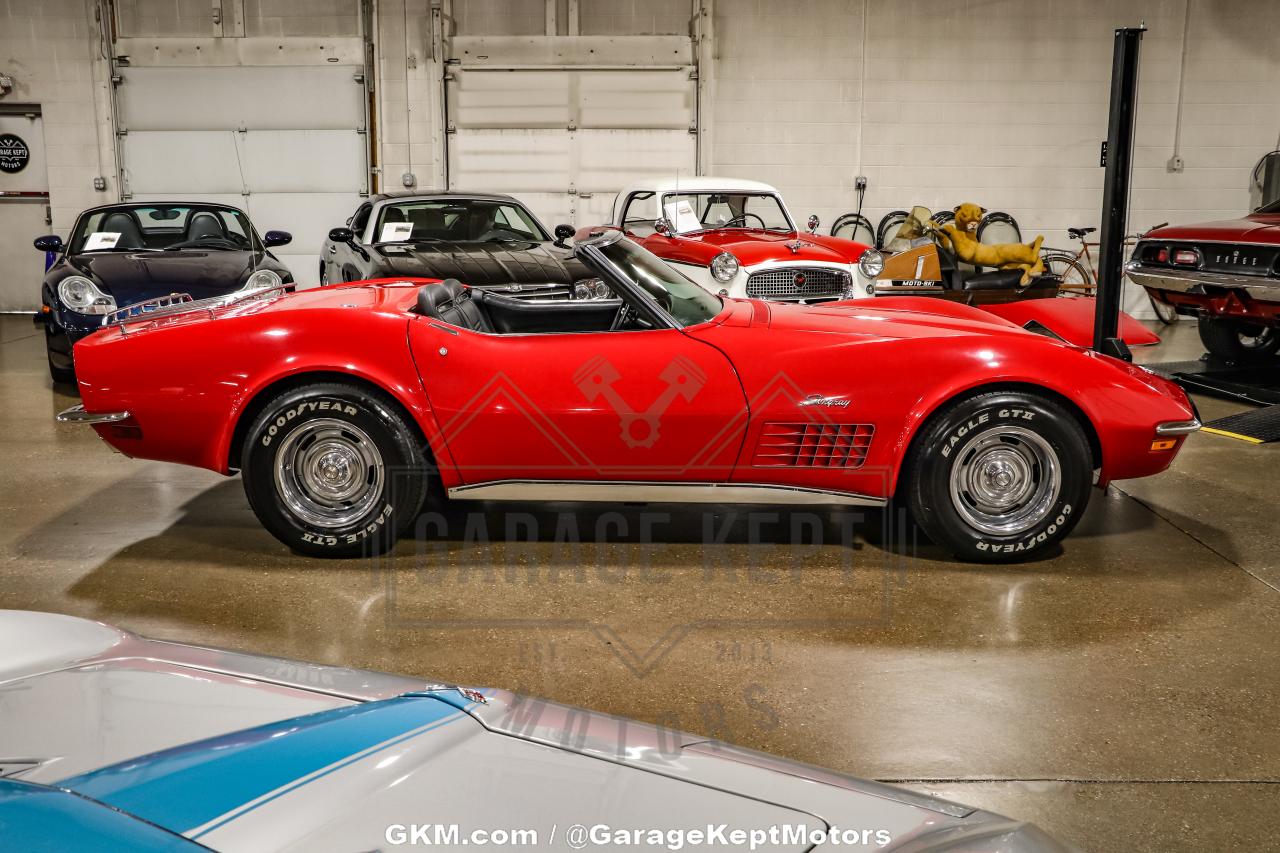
<point>737,238</point>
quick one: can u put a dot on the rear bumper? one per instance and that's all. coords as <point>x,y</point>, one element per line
<point>1196,281</point>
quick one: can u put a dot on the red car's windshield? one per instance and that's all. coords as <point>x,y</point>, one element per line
<point>702,211</point>
<point>679,297</point>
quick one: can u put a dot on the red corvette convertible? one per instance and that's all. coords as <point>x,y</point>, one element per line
<point>343,408</point>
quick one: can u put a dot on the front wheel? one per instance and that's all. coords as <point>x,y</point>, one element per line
<point>334,470</point>
<point>999,476</point>
<point>61,369</point>
<point>1237,340</point>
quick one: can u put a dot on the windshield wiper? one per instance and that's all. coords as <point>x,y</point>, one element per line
<point>205,244</point>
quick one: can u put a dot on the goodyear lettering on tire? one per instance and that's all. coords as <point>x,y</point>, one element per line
<point>1031,541</point>
<point>285,417</point>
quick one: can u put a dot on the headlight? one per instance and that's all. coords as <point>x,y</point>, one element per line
<point>590,288</point>
<point>871,263</point>
<point>83,296</point>
<point>724,266</point>
<point>262,278</point>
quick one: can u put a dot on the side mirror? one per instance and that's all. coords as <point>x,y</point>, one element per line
<point>49,243</point>
<point>563,232</point>
<point>661,227</point>
<point>341,235</point>
<point>814,222</point>
<point>281,238</point>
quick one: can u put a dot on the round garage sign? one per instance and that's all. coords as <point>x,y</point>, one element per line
<point>14,153</point>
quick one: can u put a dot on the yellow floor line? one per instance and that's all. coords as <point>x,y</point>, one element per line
<point>1234,435</point>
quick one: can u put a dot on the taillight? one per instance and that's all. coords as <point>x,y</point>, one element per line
<point>1154,254</point>
<point>1186,257</point>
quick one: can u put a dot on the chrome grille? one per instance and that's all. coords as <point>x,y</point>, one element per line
<point>798,283</point>
<point>813,445</point>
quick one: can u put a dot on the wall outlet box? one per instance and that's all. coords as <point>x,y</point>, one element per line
<point>860,182</point>
<point>1175,164</point>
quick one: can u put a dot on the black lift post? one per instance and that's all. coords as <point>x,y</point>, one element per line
<point>1118,155</point>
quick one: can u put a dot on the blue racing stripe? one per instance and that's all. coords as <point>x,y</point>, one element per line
<point>188,786</point>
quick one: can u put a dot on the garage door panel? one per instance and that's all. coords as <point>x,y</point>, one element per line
<point>522,99</point>
<point>604,155</point>
<point>637,99</point>
<point>317,161</point>
<point>565,141</point>
<point>181,163</point>
<point>510,160</point>
<point>186,161</point>
<point>227,98</point>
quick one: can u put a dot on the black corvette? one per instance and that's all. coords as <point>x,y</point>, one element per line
<point>120,254</point>
<point>491,242</point>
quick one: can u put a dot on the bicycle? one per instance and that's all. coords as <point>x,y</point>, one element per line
<point>1078,276</point>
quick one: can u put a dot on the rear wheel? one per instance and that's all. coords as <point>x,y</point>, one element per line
<point>1075,279</point>
<point>1237,340</point>
<point>334,470</point>
<point>999,476</point>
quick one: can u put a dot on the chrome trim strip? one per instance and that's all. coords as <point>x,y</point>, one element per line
<point>77,415</point>
<point>121,318</point>
<point>1178,427</point>
<point>1184,281</point>
<point>620,491</point>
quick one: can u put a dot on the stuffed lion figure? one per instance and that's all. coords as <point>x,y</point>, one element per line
<point>963,236</point>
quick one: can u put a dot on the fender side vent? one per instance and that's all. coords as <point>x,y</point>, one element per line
<point>813,445</point>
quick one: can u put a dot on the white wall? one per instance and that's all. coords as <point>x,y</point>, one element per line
<point>49,48</point>
<point>1002,102</point>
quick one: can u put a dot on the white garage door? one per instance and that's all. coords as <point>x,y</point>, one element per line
<point>284,142</point>
<point>564,141</point>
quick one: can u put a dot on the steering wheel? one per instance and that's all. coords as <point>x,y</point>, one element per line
<point>742,220</point>
<point>622,318</point>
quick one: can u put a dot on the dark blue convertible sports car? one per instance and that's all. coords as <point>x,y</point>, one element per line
<point>120,254</point>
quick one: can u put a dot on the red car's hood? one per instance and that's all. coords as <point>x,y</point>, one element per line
<point>905,318</point>
<point>1256,228</point>
<point>753,247</point>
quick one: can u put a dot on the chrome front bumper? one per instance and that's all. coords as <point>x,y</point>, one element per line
<point>77,415</point>
<point>1195,281</point>
<point>1178,427</point>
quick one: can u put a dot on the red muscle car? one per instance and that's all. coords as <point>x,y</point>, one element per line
<point>344,408</point>
<point>1226,273</point>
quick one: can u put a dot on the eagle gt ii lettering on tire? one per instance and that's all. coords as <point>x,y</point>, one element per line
<point>335,470</point>
<point>998,475</point>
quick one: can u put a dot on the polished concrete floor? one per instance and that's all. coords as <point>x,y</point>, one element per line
<point>1122,693</point>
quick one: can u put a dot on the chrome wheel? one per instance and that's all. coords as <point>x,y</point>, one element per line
<point>1256,339</point>
<point>329,473</point>
<point>1005,480</point>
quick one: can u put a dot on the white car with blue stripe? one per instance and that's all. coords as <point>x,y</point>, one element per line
<point>113,742</point>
